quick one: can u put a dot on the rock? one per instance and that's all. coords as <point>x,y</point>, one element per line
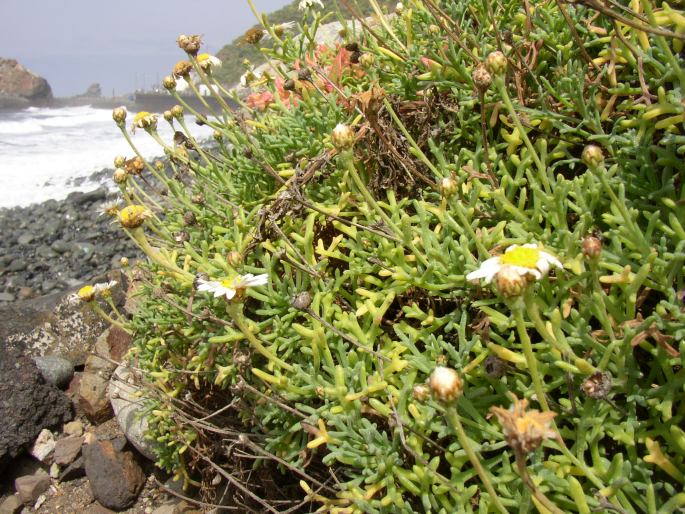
<point>67,450</point>
<point>115,478</point>
<point>30,487</point>
<point>119,342</point>
<point>92,397</point>
<point>6,297</point>
<point>17,81</point>
<point>25,293</point>
<point>79,198</point>
<point>26,238</point>
<point>56,325</point>
<point>93,91</point>
<point>43,446</point>
<point>73,428</point>
<point>17,265</point>
<point>54,471</point>
<point>55,370</point>
<point>73,471</point>
<point>96,508</point>
<point>27,405</point>
<point>130,411</point>
<point>167,508</point>
<point>11,505</point>
<point>60,246</point>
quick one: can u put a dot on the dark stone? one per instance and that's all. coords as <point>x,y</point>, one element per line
<point>27,404</point>
<point>17,265</point>
<point>115,477</point>
<point>76,469</point>
<point>78,198</point>
<point>30,487</point>
<point>25,239</point>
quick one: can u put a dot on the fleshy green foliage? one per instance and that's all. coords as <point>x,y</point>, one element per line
<point>381,237</point>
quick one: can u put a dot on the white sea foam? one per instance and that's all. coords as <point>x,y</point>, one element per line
<point>43,150</point>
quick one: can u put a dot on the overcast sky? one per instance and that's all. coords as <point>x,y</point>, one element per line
<point>122,44</point>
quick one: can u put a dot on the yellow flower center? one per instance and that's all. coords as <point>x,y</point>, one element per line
<point>86,293</point>
<point>202,57</point>
<point>140,116</point>
<point>133,216</point>
<point>521,256</point>
<point>228,283</point>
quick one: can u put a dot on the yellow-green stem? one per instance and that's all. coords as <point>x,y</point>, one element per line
<point>531,360</point>
<point>453,417</point>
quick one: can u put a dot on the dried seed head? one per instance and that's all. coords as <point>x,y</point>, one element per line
<point>495,367</point>
<point>169,83</point>
<point>119,115</point>
<point>592,247</point>
<point>510,282</point>
<point>354,57</point>
<point>135,165</point>
<point>133,216</point>
<point>234,259</point>
<point>198,199</point>
<point>189,44</point>
<point>302,300</point>
<point>182,236</point>
<point>119,161</point>
<point>496,63</point>
<point>189,218</point>
<point>445,384</point>
<point>598,385</point>
<point>524,430</point>
<point>182,69</point>
<point>304,74</point>
<point>120,176</point>
<point>342,137</point>
<point>421,392</point>
<point>289,85</point>
<point>481,78</point>
<point>434,29</point>
<point>592,156</point>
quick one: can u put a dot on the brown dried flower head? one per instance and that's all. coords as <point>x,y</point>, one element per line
<point>592,247</point>
<point>189,44</point>
<point>481,77</point>
<point>524,430</point>
<point>134,166</point>
<point>253,36</point>
<point>597,386</point>
<point>182,69</point>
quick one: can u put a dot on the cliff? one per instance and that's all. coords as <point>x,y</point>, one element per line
<point>20,87</point>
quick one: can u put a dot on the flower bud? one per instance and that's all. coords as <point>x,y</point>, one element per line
<point>218,136</point>
<point>189,218</point>
<point>592,247</point>
<point>445,384</point>
<point>448,186</point>
<point>119,115</point>
<point>510,282</point>
<point>496,63</point>
<point>597,386</point>
<point>421,392</point>
<point>159,165</point>
<point>367,60</point>
<point>120,175</point>
<point>304,74</point>
<point>177,112</point>
<point>253,36</point>
<point>198,199</point>
<point>133,216</point>
<point>123,262</point>
<point>289,85</point>
<point>168,116</point>
<point>302,300</point>
<point>182,69</point>
<point>481,78</point>
<point>592,156</point>
<point>119,161</point>
<point>189,44</point>
<point>399,8</point>
<point>234,259</point>
<point>169,83</point>
<point>434,29</point>
<point>342,137</point>
<point>182,237</point>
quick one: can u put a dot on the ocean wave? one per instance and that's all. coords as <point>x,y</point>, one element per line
<point>20,127</point>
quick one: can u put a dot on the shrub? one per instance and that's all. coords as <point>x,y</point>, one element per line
<point>436,268</point>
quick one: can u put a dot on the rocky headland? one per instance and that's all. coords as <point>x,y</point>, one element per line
<point>20,87</point>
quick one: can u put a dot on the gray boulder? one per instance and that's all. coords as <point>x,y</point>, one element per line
<point>55,370</point>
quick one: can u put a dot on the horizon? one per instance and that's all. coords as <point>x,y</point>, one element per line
<point>75,44</point>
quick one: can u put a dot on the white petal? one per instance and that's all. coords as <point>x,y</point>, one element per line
<point>258,280</point>
<point>488,269</point>
<point>230,293</point>
<point>528,245</point>
<point>550,259</point>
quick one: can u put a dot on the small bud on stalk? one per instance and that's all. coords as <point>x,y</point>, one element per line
<point>169,83</point>
<point>177,112</point>
<point>119,115</point>
<point>592,247</point>
<point>182,69</point>
<point>448,186</point>
<point>234,258</point>
<point>592,156</point>
<point>342,137</point>
<point>119,161</point>
<point>496,63</point>
<point>445,384</point>
<point>302,300</point>
<point>481,78</point>
<point>120,175</point>
<point>168,116</point>
<point>421,392</point>
<point>510,282</point>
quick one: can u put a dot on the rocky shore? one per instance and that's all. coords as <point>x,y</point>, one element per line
<point>57,245</point>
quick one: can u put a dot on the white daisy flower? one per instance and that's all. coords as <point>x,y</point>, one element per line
<point>524,260</point>
<point>307,4</point>
<point>104,288</point>
<point>110,209</point>
<point>208,62</point>
<point>232,286</point>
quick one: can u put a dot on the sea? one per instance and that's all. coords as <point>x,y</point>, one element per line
<point>47,153</point>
